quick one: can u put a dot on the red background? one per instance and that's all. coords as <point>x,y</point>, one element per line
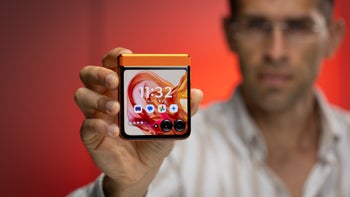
<point>43,46</point>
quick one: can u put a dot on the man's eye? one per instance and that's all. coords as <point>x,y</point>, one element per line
<point>260,25</point>
<point>298,26</point>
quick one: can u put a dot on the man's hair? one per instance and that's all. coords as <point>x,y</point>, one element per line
<point>325,6</point>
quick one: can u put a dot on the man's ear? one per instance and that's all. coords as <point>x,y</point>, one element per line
<point>337,33</point>
<point>229,33</point>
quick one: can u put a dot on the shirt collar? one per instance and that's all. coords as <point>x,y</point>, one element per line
<point>246,127</point>
<point>330,127</point>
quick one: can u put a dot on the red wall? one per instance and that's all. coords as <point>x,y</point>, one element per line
<point>43,46</point>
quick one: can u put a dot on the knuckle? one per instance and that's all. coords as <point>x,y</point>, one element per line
<point>85,129</point>
<point>100,75</point>
<point>83,72</point>
<point>87,73</point>
<point>90,126</point>
<point>86,125</point>
<point>79,93</point>
<point>91,130</point>
<point>101,103</point>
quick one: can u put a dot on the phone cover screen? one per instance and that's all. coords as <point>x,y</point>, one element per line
<point>155,102</point>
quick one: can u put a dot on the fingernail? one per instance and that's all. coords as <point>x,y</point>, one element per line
<point>112,130</point>
<point>110,80</point>
<point>111,106</point>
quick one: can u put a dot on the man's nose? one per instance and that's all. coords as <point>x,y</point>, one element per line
<point>275,45</point>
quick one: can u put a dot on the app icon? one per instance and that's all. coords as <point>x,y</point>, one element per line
<point>149,108</point>
<point>137,109</point>
<point>161,108</point>
<point>173,108</point>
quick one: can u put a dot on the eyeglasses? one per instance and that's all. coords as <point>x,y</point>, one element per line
<point>259,29</point>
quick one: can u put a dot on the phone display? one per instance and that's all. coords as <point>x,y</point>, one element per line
<point>154,98</point>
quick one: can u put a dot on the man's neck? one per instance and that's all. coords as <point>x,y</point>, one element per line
<point>295,128</point>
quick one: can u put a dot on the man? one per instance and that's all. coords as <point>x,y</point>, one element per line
<point>277,136</point>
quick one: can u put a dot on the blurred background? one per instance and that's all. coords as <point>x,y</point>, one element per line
<point>43,46</point>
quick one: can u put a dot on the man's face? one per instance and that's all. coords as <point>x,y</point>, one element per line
<point>280,45</point>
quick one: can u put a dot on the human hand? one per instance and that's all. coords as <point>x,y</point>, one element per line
<point>130,166</point>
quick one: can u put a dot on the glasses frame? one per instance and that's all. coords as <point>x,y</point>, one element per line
<point>240,29</point>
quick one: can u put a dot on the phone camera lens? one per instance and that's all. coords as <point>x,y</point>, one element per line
<point>179,125</point>
<point>166,125</point>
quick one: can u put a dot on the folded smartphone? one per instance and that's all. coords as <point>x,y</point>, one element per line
<point>154,95</point>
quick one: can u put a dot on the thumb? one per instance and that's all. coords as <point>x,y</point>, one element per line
<point>196,98</point>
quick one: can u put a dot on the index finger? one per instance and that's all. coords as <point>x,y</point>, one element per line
<point>98,78</point>
<point>110,59</point>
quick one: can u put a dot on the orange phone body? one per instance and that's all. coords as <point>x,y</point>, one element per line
<point>154,96</point>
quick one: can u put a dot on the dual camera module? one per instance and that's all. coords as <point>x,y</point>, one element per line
<point>167,125</point>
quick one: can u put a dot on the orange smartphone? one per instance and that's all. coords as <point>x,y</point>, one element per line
<point>154,96</point>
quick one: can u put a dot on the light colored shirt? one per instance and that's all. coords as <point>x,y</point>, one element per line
<point>225,156</point>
